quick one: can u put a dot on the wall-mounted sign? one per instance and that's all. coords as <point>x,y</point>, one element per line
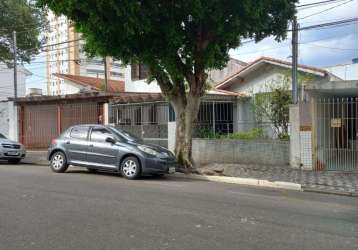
<point>336,123</point>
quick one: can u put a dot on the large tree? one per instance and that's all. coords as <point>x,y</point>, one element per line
<point>179,41</point>
<point>28,21</point>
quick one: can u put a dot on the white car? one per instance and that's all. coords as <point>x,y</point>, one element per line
<point>11,151</point>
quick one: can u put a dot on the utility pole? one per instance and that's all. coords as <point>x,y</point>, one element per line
<point>105,75</point>
<point>294,60</point>
<point>15,64</point>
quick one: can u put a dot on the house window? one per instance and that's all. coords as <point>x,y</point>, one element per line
<point>138,116</point>
<point>171,113</point>
<point>139,72</point>
<point>122,119</point>
<point>153,115</point>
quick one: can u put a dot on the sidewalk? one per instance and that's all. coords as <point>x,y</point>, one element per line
<point>36,157</point>
<point>317,181</point>
<point>314,181</point>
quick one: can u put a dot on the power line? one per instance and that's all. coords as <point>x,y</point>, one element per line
<point>344,21</point>
<point>79,60</point>
<point>338,23</point>
<point>325,10</point>
<point>31,26</point>
<point>316,3</point>
<point>55,44</point>
<point>327,47</point>
<point>287,45</point>
<point>326,20</point>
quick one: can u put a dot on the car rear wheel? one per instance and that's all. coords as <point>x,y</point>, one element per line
<point>58,162</point>
<point>14,161</point>
<point>92,170</point>
<point>130,168</point>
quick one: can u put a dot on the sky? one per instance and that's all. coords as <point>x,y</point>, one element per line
<point>319,47</point>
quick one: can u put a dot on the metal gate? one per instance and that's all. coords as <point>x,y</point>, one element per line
<point>337,134</point>
<point>39,123</point>
<point>148,121</point>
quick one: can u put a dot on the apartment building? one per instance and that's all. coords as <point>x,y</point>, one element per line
<point>65,55</point>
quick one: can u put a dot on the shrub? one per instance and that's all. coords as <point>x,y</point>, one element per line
<point>254,134</point>
<point>207,133</point>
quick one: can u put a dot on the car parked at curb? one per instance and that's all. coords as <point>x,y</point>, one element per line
<point>11,151</point>
<point>101,147</point>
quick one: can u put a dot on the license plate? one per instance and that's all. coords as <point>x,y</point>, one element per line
<point>13,153</point>
<point>171,170</point>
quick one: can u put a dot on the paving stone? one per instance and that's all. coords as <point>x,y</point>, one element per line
<point>322,180</point>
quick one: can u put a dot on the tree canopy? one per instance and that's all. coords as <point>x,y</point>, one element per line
<point>178,40</point>
<point>27,20</point>
<point>174,37</point>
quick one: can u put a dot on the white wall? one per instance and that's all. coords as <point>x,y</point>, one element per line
<point>13,122</point>
<point>345,72</point>
<point>140,85</point>
<point>8,120</point>
<point>261,81</point>
<point>4,118</point>
<point>69,87</point>
<point>171,135</point>
<point>7,82</point>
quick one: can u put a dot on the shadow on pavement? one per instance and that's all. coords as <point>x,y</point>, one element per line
<point>116,175</point>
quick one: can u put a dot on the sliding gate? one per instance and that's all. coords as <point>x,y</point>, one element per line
<point>337,134</point>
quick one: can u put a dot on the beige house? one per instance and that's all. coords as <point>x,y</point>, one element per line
<point>261,76</point>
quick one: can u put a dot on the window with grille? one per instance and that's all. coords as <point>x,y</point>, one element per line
<point>138,72</point>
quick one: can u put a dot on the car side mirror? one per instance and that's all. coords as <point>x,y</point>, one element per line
<point>110,140</point>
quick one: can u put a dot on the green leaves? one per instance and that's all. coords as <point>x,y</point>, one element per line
<point>161,32</point>
<point>28,21</point>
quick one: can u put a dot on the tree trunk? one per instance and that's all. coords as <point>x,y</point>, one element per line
<point>185,113</point>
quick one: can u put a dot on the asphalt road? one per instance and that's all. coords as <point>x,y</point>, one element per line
<point>78,210</point>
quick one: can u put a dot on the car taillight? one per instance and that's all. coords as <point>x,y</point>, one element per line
<point>53,141</point>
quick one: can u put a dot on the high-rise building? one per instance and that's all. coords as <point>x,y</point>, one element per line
<point>65,55</point>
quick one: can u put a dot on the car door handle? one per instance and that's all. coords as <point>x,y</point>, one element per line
<point>91,145</point>
<point>68,142</point>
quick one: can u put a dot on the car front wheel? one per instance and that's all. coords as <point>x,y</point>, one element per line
<point>58,162</point>
<point>130,168</point>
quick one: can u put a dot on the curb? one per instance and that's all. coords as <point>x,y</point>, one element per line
<point>342,193</point>
<point>36,158</point>
<point>243,181</point>
<point>38,163</point>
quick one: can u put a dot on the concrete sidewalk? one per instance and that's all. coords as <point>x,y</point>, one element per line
<point>282,177</point>
<point>36,157</point>
<point>314,181</point>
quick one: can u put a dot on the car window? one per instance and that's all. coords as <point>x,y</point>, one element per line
<point>123,135</point>
<point>2,136</point>
<point>65,134</point>
<point>79,132</point>
<point>100,134</point>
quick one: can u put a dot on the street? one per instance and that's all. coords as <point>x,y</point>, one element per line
<point>80,210</point>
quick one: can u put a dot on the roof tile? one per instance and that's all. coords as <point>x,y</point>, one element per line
<point>93,82</point>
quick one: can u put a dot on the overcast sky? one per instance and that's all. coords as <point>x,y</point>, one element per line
<point>311,50</point>
<point>319,47</point>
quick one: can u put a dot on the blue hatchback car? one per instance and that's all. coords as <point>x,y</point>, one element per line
<point>100,147</point>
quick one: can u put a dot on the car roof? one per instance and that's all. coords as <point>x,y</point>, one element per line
<point>89,125</point>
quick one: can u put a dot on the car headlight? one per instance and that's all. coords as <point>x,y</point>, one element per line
<point>148,150</point>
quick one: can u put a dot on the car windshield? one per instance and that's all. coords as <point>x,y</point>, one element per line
<point>124,134</point>
<point>2,136</point>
